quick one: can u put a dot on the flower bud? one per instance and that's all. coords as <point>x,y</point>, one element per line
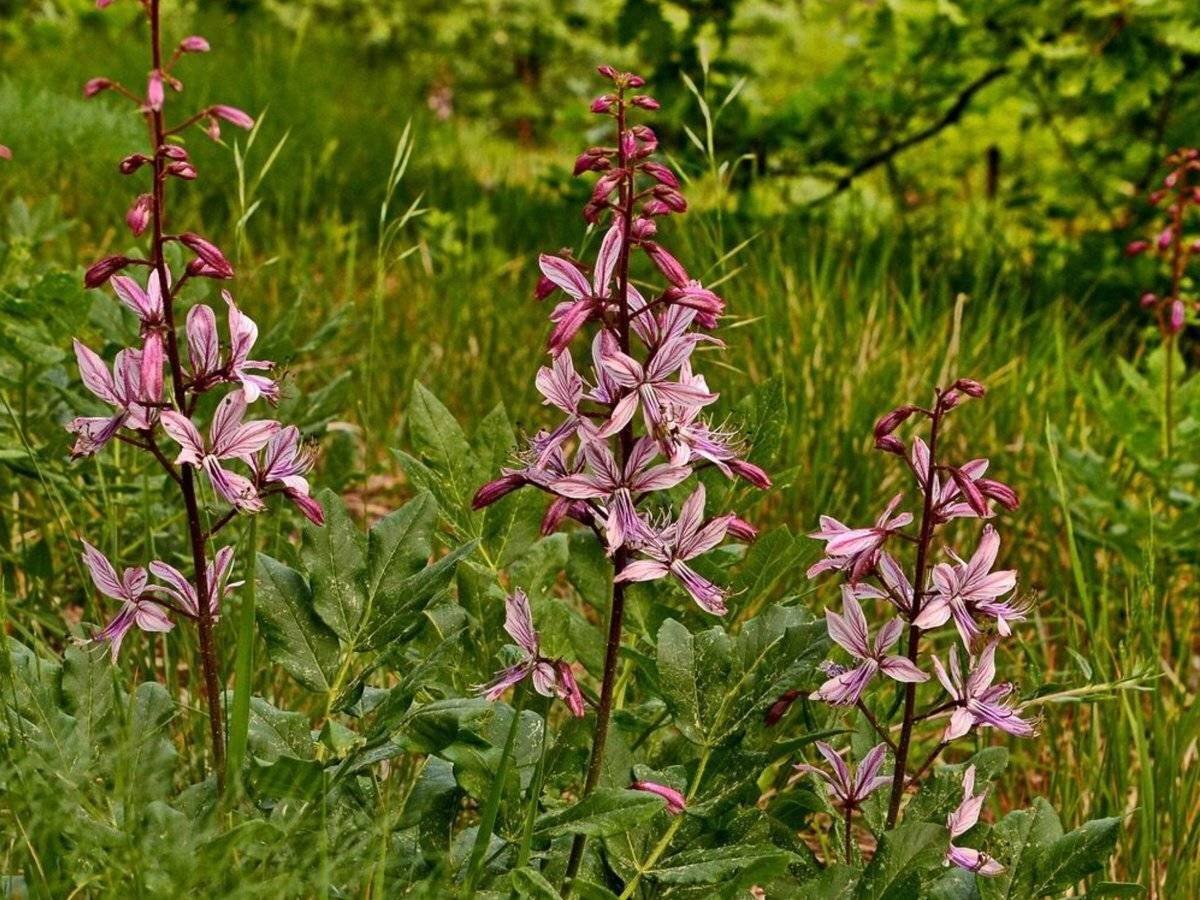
<point>1148,299</point>
<point>656,208</point>
<point>132,163</point>
<point>673,199</point>
<point>779,708</point>
<point>643,228</point>
<point>184,170</point>
<point>1000,492</point>
<point>1175,321</point>
<point>970,492</point>
<point>605,185</point>
<point>1165,237</point>
<point>676,802</point>
<point>494,490</point>
<point>233,116</point>
<point>95,86</point>
<point>646,135</point>
<point>138,216</point>
<point>5,153</point>
<point>741,529</point>
<point>950,399</point>
<point>608,72</point>
<point>671,268</point>
<point>545,287</point>
<point>890,444</point>
<point>172,151</point>
<point>661,174</point>
<point>635,81</point>
<point>751,473</point>
<point>970,387</point>
<point>1155,197</point>
<point>628,144</point>
<point>193,44</point>
<point>644,102</point>
<point>208,252</point>
<point>593,160</point>
<point>603,103</point>
<point>893,420</point>
<point>1134,248</point>
<point>154,91</point>
<point>103,270</point>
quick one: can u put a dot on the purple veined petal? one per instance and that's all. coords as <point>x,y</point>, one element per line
<point>114,632</point>
<point>624,369</point>
<point>934,614</point>
<point>182,591</point>
<point>606,258</point>
<point>945,579</point>
<point>226,420</point>
<point>623,525</point>
<point>133,582</point>
<point>660,478</point>
<point>568,325</point>
<point>565,275</point>
<point>151,617</point>
<point>93,432</point>
<point>237,490</point>
<point>849,632</point>
<point>95,374</point>
<point>640,455</point>
<point>184,433</point>
<point>961,721</point>
<point>518,622</point>
<point>505,679</point>
<point>544,678</point>
<point>1002,717</point>
<point>708,537</point>
<point>821,566</point>
<point>839,778</point>
<point>560,384</point>
<point>203,346</point>
<point>984,671</point>
<point>973,861</point>
<point>963,819</point>
<point>310,508</point>
<point>642,570</point>
<point>899,668</point>
<point>127,377</point>
<point>676,802</point>
<point>104,576</point>
<point>854,541</point>
<point>685,395</point>
<point>868,769</point>
<point>151,371</point>
<point>944,677</point>
<point>830,527</point>
<point>644,324</point>
<point>621,416</point>
<point>670,355</point>
<point>246,440</point>
<point>243,332</point>
<point>984,556</point>
<point>964,622</point>
<point>233,116</point>
<point>707,595</point>
<point>845,688</point>
<point>568,689</point>
<point>991,585</point>
<point>888,633</point>
<point>919,456</point>
<point>580,487</point>
<point>135,298</point>
<point>209,254</point>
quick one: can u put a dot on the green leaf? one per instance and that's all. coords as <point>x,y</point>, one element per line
<point>442,446</point>
<point>1075,855</point>
<point>907,858</point>
<point>677,678</point>
<point>400,544</point>
<point>529,882</point>
<point>298,779</point>
<point>336,564</point>
<point>1016,841</point>
<point>296,639</point>
<point>396,611</point>
<point>710,865</point>
<point>276,732</point>
<point>605,811</point>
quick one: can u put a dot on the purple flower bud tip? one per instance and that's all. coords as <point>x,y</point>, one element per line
<point>209,254</point>
<point>779,708</point>
<point>494,490</point>
<point>603,103</point>
<point>893,420</point>
<point>970,387</point>
<point>1165,237</point>
<point>1175,322</point>
<point>132,163</point>
<point>233,116</point>
<point>607,72</point>
<point>676,802</point>
<point>742,530</point>
<point>103,270</point>
<point>138,216</point>
<point>751,473</point>
<point>890,444</point>
<point>193,44</point>
<point>1134,248</point>
<point>1148,299</point>
<point>635,81</point>
<point>1195,247</point>
<point>95,86</point>
<point>641,100</point>
<point>5,153</point>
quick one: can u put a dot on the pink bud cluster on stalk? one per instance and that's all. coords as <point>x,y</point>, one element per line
<point>153,389</point>
<point>970,594</point>
<point>1175,247</point>
<point>635,426</point>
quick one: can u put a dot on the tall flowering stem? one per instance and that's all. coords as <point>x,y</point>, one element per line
<point>979,602</point>
<point>638,428</point>
<point>144,410</point>
<point>1178,195</point>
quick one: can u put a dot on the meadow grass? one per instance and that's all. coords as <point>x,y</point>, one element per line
<point>849,307</point>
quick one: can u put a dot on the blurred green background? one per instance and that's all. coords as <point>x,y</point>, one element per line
<point>888,194</point>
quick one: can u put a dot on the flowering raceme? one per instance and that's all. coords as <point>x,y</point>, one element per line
<point>152,392</point>
<point>635,427</point>
<point>974,595</point>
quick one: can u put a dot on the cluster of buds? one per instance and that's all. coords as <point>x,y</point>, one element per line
<point>151,390</point>
<point>979,600</point>
<point>604,461</point>
<point>1180,192</point>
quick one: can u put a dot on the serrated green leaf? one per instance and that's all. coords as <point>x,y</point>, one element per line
<point>605,811</point>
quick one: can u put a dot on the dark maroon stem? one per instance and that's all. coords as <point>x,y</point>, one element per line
<point>612,650</point>
<point>187,484</point>
<point>914,633</point>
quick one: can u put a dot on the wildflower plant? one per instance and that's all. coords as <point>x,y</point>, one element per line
<point>156,395</point>
<point>632,423</point>
<point>949,616</point>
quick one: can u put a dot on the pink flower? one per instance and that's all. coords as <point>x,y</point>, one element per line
<point>183,592</point>
<point>229,438</point>
<point>962,820</point>
<point>856,550</point>
<point>123,389</point>
<point>893,586</point>
<point>204,352</point>
<point>130,589</point>
<point>138,216</point>
<point>587,300</point>
<point>976,700</point>
<point>849,790</point>
<point>676,802</point>
<point>549,677</point>
<point>651,384</point>
<point>284,462</point>
<point>668,551</point>
<point>970,589</point>
<point>851,633</point>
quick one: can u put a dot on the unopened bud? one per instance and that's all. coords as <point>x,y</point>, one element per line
<point>103,270</point>
<point>970,387</point>
<point>494,490</point>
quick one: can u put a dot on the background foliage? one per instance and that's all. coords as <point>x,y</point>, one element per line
<point>883,190</point>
